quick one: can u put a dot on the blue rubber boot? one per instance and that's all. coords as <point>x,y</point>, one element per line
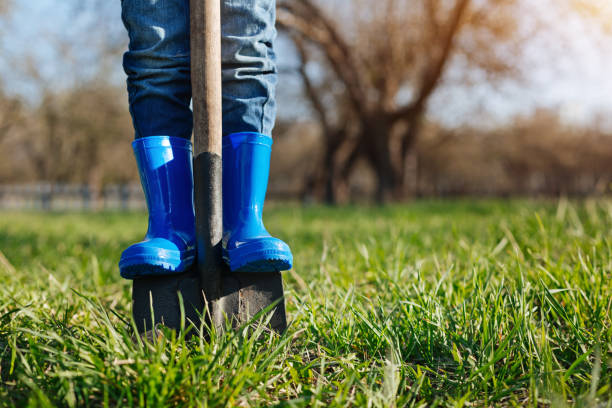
<point>247,246</point>
<point>166,172</point>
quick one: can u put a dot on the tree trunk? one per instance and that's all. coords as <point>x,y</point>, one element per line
<point>330,176</point>
<point>378,136</point>
<point>407,177</point>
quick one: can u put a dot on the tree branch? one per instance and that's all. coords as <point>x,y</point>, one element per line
<point>433,73</point>
<point>311,92</point>
<point>307,20</point>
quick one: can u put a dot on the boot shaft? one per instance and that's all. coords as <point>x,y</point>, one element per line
<point>246,168</point>
<point>165,166</point>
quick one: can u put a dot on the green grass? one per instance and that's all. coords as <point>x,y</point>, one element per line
<point>459,303</point>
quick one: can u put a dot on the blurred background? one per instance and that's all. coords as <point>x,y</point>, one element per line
<point>379,100</point>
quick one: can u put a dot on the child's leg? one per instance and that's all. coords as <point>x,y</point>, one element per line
<point>158,66</point>
<point>249,109</point>
<point>249,66</point>
<point>159,87</point>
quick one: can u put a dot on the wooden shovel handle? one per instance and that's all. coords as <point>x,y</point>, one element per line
<point>205,18</point>
<point>236,296</point>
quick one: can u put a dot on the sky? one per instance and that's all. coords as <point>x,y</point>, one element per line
<point>568,70</point>
<point>572,76</point>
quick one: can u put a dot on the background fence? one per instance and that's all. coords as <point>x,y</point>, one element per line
<point>58,197</point>
<point>81,197</point>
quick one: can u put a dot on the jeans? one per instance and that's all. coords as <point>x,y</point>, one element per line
<point>157,65</point>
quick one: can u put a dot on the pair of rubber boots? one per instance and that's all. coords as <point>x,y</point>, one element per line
<point>166,172</point>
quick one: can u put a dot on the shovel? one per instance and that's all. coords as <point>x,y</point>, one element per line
<point>209,289</point>
<point>237,297</point>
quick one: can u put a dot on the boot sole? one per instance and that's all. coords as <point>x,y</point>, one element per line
<point>266,265</point>
<point>259,256</point>
<point>151,266</point>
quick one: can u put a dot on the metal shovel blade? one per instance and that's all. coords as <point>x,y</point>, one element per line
<point>156,300</point>
<point>245,295</point>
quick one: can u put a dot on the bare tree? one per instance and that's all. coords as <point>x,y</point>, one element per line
<point>74,135</point>
<point>79,127</point>
<point>599,11</point>
<point>539,154</point>
<point>4,6</point>
<point>383,60</point>
<point>11,114</point>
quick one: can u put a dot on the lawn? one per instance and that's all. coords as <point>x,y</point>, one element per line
<point>458,303</point>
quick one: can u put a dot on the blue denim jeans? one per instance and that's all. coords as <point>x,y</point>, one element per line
<point>157,65</point>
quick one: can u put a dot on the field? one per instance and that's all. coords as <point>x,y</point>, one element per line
<point>460,303</point>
